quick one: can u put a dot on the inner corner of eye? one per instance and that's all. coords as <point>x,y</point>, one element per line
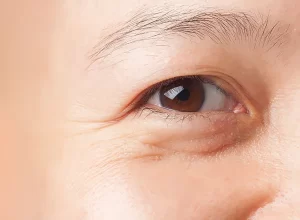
<point>240,108</point>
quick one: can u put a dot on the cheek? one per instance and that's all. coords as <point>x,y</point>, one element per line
<point>114,197</point>
<point>179,187</point>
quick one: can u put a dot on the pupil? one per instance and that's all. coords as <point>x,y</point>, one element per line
<point>184,95</point>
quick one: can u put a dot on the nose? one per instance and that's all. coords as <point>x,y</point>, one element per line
<point>284,141</point>
<point>286,205</point>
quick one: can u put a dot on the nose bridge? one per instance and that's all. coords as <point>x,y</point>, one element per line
<point>284,206</point>
<point>284,142</point>
<point>285,108</point>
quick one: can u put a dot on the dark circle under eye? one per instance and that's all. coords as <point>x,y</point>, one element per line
<point>185,95</point>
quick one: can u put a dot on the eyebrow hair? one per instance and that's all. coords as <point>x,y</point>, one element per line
<point>219,26</point>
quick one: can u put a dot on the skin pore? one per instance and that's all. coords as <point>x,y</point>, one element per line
<point>122,153</point>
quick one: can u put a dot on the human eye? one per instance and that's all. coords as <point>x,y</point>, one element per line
<point>194,94</point>
<point>194,113</point>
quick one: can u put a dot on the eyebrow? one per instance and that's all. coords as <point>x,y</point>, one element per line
<point>221,27</point>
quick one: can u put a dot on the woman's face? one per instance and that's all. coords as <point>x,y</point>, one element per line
<point>176,109</point>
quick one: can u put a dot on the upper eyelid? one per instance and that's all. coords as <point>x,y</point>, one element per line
<point>218,25</point>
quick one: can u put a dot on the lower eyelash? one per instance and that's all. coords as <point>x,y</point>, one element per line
<point>170,115</point>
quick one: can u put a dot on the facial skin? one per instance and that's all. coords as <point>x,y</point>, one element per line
<point>120,160</point>
<point>124,163</point>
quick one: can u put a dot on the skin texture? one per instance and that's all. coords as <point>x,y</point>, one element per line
<point>99,157</point>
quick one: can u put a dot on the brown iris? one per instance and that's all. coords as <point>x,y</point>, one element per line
<point>184,95</point>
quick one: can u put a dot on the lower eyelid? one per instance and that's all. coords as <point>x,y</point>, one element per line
<point>202,122</point>
<point>200,135</point>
